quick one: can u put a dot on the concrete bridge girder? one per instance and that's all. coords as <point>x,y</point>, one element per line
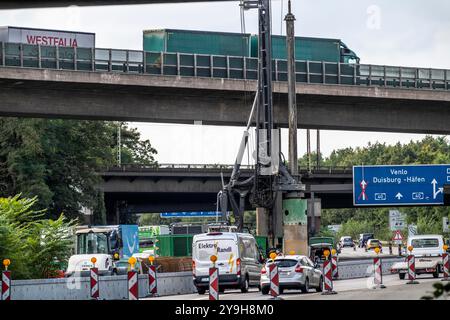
<point>173,99</point>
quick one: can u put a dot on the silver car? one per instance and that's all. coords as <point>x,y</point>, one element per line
<point>295,272</point>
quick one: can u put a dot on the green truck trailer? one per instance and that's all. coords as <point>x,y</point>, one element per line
<point>244,45</point>
<point>199,42</point>
<point>311,49</point>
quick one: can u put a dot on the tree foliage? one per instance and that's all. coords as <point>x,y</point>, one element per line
<point>430,150</point>
<point>37,247</point>
<point>58,160</point>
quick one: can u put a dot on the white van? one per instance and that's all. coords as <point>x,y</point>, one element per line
<point>238,259</point>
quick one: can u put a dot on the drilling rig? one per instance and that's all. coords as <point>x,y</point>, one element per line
<point>271,177</point>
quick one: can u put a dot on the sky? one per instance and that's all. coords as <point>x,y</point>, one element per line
<point>407,33</point>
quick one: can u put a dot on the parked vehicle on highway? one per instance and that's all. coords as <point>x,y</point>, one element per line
<point>239,260</point>
<point>371,244</point>
<point>428,250</point>
<point>295,272</point>
<point>110,245</point>
<point>346,241</point>
<point>363,237</point>
<point>317,246</point>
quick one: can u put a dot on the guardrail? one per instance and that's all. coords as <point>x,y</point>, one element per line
<point>215,66</point>
<point>219,167</point>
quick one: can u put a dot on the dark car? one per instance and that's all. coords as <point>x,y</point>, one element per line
<point>363,237</point>
<point>346,242</point>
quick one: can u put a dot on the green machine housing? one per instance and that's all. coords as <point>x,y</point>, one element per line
<point>294,212</point>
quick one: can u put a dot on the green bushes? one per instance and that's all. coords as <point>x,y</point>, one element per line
<point>36,247</point>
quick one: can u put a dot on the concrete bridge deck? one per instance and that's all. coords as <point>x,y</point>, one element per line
<point>350,97</point>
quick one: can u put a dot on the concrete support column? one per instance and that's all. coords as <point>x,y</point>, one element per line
<point>277,221</point>
<point>295,225</point>
<point>295,239</point>
<point>314,214</point>
<point>262,222</point>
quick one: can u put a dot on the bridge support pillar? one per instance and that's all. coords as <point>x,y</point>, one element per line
<point>295,225</point>
<point>262,222</point>
<point>314,214</point>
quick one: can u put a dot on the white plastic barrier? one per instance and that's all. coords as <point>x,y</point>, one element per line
<point>111,287</point>
<point>363,268</point>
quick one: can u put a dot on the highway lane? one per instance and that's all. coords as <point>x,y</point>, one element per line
<point>351,289</point>
<point>360,253</point>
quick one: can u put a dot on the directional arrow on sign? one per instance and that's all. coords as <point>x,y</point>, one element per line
<point>435,193</point>
<point>399,196</point>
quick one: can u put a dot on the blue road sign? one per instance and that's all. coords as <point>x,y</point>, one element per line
<point>190,214</point>
<point>399,185</point>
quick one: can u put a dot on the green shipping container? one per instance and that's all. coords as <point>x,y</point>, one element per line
<point>306,48</point>
<point>174,245</point>
<point>200,42</point>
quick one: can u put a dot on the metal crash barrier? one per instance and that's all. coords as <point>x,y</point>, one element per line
<point>215,66</point>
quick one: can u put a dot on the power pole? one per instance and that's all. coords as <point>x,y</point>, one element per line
<point>119,144</point>
<point>292,99</point>
<point>318,150</point>
<point>295,224</point>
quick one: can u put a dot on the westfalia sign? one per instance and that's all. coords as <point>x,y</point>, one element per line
<point>47,37</point>
<point>52,41</point>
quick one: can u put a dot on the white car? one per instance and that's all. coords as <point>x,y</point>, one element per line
<point>295,272</point>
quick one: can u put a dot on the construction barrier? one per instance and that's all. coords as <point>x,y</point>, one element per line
<point>445,266</point>
<point>378,273</point>
<point>152,282</point>
<point>95,288</point>
<point>274,280</point>
<point>133,286</point>
<point>411,269</point>
<point>328,277</point>
<point>6,285</point>
<point>213,283</point>
<point>334,267</point>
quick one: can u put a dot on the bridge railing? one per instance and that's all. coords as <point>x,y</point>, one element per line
<point>215,66</point>
<point>220,167</point>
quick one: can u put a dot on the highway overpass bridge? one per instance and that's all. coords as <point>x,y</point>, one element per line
<point>14,4</point>
<point>129,85</point>
<point>167,188</point>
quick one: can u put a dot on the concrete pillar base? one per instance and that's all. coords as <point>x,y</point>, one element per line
<point>295,239</point>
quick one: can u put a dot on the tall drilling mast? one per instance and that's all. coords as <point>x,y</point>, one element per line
<point>271,177</point>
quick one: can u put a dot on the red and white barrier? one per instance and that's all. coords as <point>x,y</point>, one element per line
<point>152,280</point>
<point>133,285</point>
<point>6,285</point>
<point>274,280</point>
<point>95,288</point>
<point>213,284</point>
<point>411,269</point>
<point>328,277</point>
<point>334,267</point>
<point>378,273</point>
<point>446,266</point>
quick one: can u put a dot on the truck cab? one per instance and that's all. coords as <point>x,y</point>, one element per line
<point>112,246</point>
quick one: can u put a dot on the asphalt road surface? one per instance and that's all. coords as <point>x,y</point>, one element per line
<point>351,289</point>
<point>359,253</point>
